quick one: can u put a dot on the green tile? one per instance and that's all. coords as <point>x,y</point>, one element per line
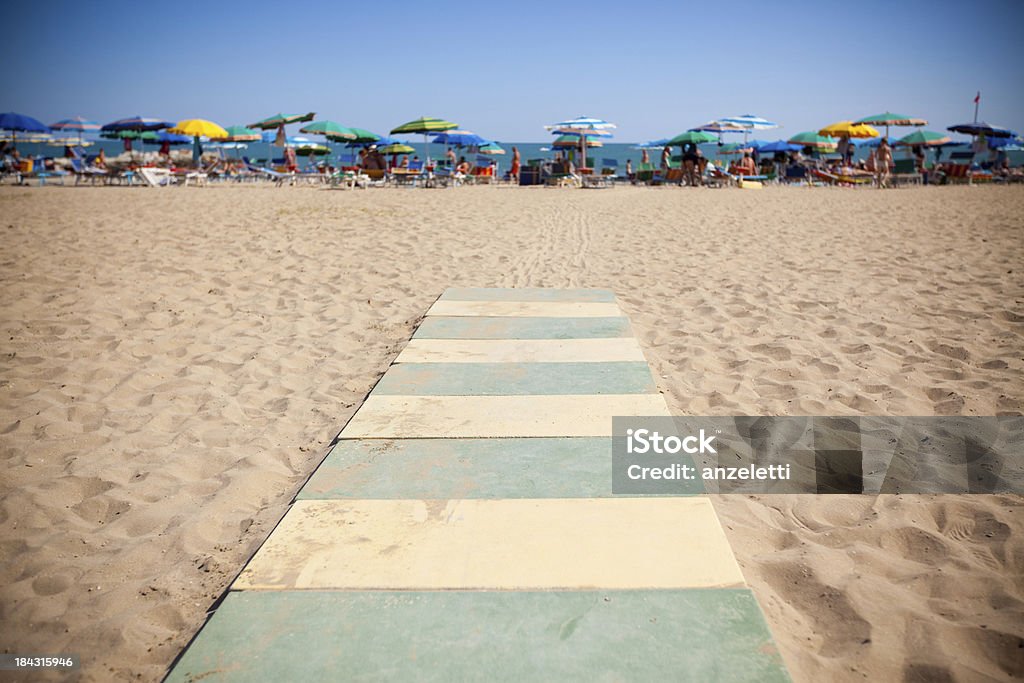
<point>527,294</point>
<point>497,327</point>
<point>679,635</point>
<point>512,379</point>
<point>444,469</point>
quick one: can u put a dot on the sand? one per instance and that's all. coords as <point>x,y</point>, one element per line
<point>176,361</point>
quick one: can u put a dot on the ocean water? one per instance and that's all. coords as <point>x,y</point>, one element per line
<point>616,152</point>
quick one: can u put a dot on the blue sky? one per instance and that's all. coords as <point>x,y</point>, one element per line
<point>506,69</point>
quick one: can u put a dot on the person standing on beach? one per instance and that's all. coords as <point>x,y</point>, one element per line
<point>645,158</point>
<point>514,173</point>
<point>883,163</point>
<point>451,157</point>
<point>666,157</point>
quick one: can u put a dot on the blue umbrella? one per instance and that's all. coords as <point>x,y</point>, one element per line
<point>170,138</point>
<point>777,146</point>
<point>137,123</point>
<point>982,128</point>
<point>459,138</point>
<point>19,122</point>
<point>653,144</point>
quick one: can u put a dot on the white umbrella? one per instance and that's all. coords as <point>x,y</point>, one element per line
<point>749,122</point>
<point>582,126</point>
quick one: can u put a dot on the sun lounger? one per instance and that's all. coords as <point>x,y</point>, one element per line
<point>795,174</point>
<point>905,171</point>
<point>841,178</point>
<point>156,177</point>
<point>84,172</point>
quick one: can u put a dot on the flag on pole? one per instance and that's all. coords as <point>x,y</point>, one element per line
<point>977,98</point>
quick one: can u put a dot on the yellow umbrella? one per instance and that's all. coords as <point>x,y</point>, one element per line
<point>199,128</point>
<point>849,129</point>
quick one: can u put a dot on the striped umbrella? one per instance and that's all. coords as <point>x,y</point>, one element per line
<point>573,142</point>
<point>719,127</point>
<point>330,129</point>
<point>923,138</point>
<point>490,148</point>
<point>76,124</point>
<point>241,134</point>
<point>363,136</point>
<point>749,122</point>
<point>814,141</point>
<point>585,127</point>
<point>890,119</point>
<point>424,125</point>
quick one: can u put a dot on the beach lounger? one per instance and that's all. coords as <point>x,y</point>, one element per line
<point>795,174</point>
<point>156,177</point>
<point>645,173</point>
<point>84,172</point>
<point>277,177</point>
<point>609,167</point>
<point>40,172</point>
<point>905,171</point>
<point>841,178</point>
<point>958,168</point>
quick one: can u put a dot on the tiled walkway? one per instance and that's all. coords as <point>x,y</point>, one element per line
<point>463,526</point>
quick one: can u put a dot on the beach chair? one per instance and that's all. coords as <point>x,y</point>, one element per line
<point>277,177</point>
<point>483,171</point>
<point>716,177</point>
<point>609,167</point>
<point>408,177</point>
<point>156,177</point>
<point>795,174</point>
<point>645,173</point>
<point>84,172</point>
<point>905,171</point>
<point>41,173</point>
<point>958,168</point>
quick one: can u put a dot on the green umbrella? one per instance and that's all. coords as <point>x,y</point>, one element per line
<point>490,148</point>
<point>310,150</point>
<point>812,139</point>
<point>335,131</point>
<point>889,119</point>
<point>241,134</point>
<point>923,138</point>
<point>691,137</point>
<point>425,125</point>
<point>278,120</point>
<point>397,148</point>
<point>363,135</point>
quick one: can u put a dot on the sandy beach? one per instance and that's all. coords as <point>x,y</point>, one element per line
<point>176,361</point>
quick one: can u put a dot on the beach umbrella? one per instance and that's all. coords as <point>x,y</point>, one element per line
<point>573,142</point>
<point>199,128</point>
<point>975,128</point>
<point>778,146</point>
<point>133,124</point>
<point>749,122</point>
<point>733,148</point>
<point>396,148</point>
<point>162,137</point>
<point>424,125</point>
<point>923,138</point>
<point>849,129</point>
<point>652,144</point>
<point>329,129</point>
<point>593,126</point>
<point>75,124</point>
<point>314,149</point>
<point>583,123</point>
<point>136,123</point>
<point>691,137</point>
<point>813,140</point>
<point>278,122</point>
<point>459,138</point>
<point>363,136</point>
<point>490,148</point>
<point>719,127</point>
<point>19,123</point>
<point>890,119</point>
<point>241,134</point>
